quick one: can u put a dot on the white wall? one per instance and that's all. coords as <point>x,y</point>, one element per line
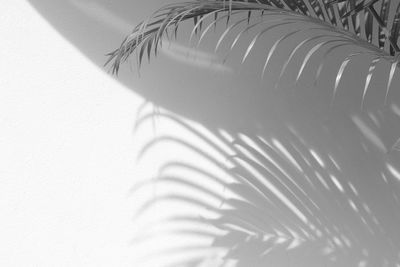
<point>80,152</point>
<point>67,152</point>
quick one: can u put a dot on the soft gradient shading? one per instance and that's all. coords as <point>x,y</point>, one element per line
<point>200,161</point>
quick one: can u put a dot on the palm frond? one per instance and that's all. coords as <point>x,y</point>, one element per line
<point>373,25</point>
<point>378,30</point>
<point>279,195</point>
<point>359,18</point>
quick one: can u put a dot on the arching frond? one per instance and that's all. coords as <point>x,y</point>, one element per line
<point>372,25</point>
<point>266,198</point>
<point>149,33</point>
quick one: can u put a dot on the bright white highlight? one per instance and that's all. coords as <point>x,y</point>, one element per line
<point>369,133</point>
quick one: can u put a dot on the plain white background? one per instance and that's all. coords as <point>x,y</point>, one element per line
<point>66,151</point>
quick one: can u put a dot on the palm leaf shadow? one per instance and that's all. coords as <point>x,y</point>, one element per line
<point>275,201</point>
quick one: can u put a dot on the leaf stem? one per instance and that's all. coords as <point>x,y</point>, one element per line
<point>384,28</point>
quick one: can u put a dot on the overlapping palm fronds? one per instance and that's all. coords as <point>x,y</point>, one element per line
<point>372,25</point>
<point>275,199</point>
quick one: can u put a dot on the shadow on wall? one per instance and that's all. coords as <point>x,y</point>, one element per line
<point>280,198</point>
<point>279,174</point>
<point>215,88</point>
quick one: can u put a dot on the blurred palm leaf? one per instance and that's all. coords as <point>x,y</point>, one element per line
<point>277,196</point>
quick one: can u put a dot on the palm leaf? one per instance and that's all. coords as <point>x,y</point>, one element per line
<point>284,197</point>
<point>357,22</point>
